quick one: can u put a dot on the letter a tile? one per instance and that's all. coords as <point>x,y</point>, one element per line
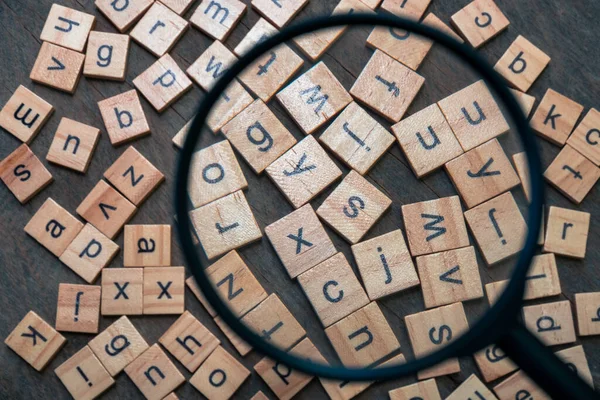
<point>25,114</point>
<point>124,117</point>
<point>552,323</point>
<point>218,18</point>
<point>522,64</point>
<point>556,117</point>
<point>73,145</point>
<point>147,246</point>
<point>67,27</point>
<point>159,29</point>
<point>57,67</point>
<point>572,174</point>
<point>479,22</point>
<point>83,375</point>
<point>24,174</point>
<point>123,13</point>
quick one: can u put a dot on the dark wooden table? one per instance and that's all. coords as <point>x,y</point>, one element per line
<point>566,30</point>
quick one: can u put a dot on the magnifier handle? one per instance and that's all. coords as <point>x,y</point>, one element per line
<point>543,367</point>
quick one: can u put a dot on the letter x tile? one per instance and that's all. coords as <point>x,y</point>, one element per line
<point>164,289</point>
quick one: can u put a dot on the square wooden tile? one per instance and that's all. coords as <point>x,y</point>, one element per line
<point>434,21</point>
<point>106,209</point>
<point>421,390</point>
<point>233,101</point>
<point>78,308</point>
<point>278,13</point>
<point>552,323</point>
<point>522,63</point>
<point>164,290</point>
<point>163,83</point>
<point>472,386</point>
<point>519,384</point>
<point>123,14</point>
<point>575,359</point>
<point>218,18</point>
<point>220,376</point>
<point>275,323</point>
<point>211,65</point>
<point>83,375</point>
<point>106,56</point>
<point>67,27</point>
<point>353,207</point>
<point>387,86</point>
<point>572,174</point>
<point>498,227</point>
<point>124,117</point>
<point>215,173</point>
<point>385,265</point>
<point>259,32</point>
<point>118,345</point>
<point>237,342</point>
<point>482,173</point>
<point>363,337</point>
<point>479,22</point>
<point>314,98</point>
<point>584,138</point>
<point>122,291</point>
<point>555,117</point>
<point>179,6</point>
<point>35,341</point>
<point>24,174</point>
<point>195,289</point>
<point>147,246</point>
<point>24,114</point>
<point>430,330</point>
<point>435,225</point>
<point>588,313</point>
<point>303,171</point>
<point>154,374</point>
<point>412,9</point>
<point>57,67</point>
<point>474,115</point>
<point>258,135</point>
<point>404,46</point>
<point>73,145</point>
<point>567,232</point>
<point>525,100</point>
<point>357,139</point>
<point>159,29</point>
<point>427,140</point>
<point>493,363</point>
<point>53,227</point>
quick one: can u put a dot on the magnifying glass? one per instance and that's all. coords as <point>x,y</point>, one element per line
<point>500,325</point>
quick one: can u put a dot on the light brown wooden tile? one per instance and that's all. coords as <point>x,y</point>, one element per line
<point>163,83</point>
<point>118,345</point>
<point>147,246</point>
<point>434,21</point>
<point>123,14</point>
<point>67,27</point>
<point>412,9</point>
<point>567,232</point>
<point>73,145</point>
<point>179,6</point>
<point>522,64</point>
<point>474,115</point>
<point>106,209</point>
<point>427,140</point>
<point>588,313</point>
<point>303,171</point>
<point>525,100</point>
<point>435,225</point>
<point>472,386</point>
<point>211,65</point>
<point>519,384</point>
<point>57,67</point>
<point>520,161</point>
<point>233,101</point>
<point>195,289</point>
<point>261,31</point>
<point>314,98</point>
<point>218,18</point>
<point>404,46</point>
<point>237,342</point>
<point>357,139</point>
<point>159,29</point>
<point>482,173</point>
<point>552,323</point>
<point>555,117</point>
<point>431,330</point>
<point>278,13</point>
<point>106,56</point>
<point>421,390</point>
<point>584,138</point>
<point>164,290</point>
<point>220,376</point>
<point>122,291</point>
<point>53,227</point>
<point>35,341</point>
<point>78,308</point>
<point>576,360</point>
<point>83,375</point>
<point>124,117</point>
<point>24,114</point>
<point>479,22</point>
<point>493,363</point>
<point>24,174</point>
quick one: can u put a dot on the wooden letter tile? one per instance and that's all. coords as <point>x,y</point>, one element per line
<point>493,363</point>
<point>357,138</point>
<point>83,375</point>
<point>73,145</point>
<point>25,114</point>
<point>106,56</point>
<point>78,308</point>
<point>220,376</point>
<point>588,313</point>
<point>404,46</point>
<point>314,98</point>
<point>474,115</point>
<point>482,173</point>
<point>519,384</point>
<point>427,140</point>
<point>53,227</point>
<point>121,13</point>
<point>147,246</point>
<point>218,18</point>
<point>124,117</point>
<point>430,330</point>
<point>472,387</point>
<point>479,22</point>
<point>435,225</point>
<point>279,13</point>
<point>179,6</point>
<point>552,323</point>
<point>106,209</point>
<point>122,291</point>
<point>303,171</point>
<point>576,360</point>
<point>556,117</point>
<point>434,21</point>
<point>526,101</point>
<point>237,342</point>
<point>385,265</point>
<point>522,63</point>
<point>163,83</point>
<point>159,29</point>
<point>413,9</point>
<point>164,289</point>
<point>57,67</point>
<point>520,161</point>
<point>24,174</point>
<point>421,390</point>
<point>567,232</point>
<point>572,174</point>
<point>67,27</point>
<point>232,102</point>
<point>584,138</point>
<point>35,341</point>
<point>211,65</point>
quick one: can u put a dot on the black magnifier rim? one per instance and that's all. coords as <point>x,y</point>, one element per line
<point>495,322</point>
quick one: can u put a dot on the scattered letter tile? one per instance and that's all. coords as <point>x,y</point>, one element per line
<point>25,114</point>
<point>588,313</point>
<point>279,13</point>
<point>67,27</point>
<point>404,46</point>
<point>585,137</point>
<point>575,359</point>
<point>57,67</point>
<point>520,161</point>
<point>556,117</point>
<point>479,22</point>
<point>159,29</point>
<point>78,308</point>
<point>122,291</point>
<point>572,174</point>
<point>220,376</point>
<point>218,18</point>
<point>519,384</point>
<point>567,232</point>
<point>232,102</point>
<point>164,289</point>
<point>179,6</point>
<point>493,363</point>
<point>421,390</point>
<point>106,56</point>
<point>412,9</point>
<point>123,13</point>
<point>471,387</point>
<point>73,145</point>
<point>211,65</point>
<point>552,323</point>
<point>24,174</point>
<point>124,117</point>
<point>83,375</point>
<point>147,246</point>
<point>525,100</point>
<point>522,64</point>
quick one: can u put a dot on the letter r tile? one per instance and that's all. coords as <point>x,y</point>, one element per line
<point>552,323</point>
<point>159,29</point>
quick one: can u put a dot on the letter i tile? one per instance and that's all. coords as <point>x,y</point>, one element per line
<point>83,375</point>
